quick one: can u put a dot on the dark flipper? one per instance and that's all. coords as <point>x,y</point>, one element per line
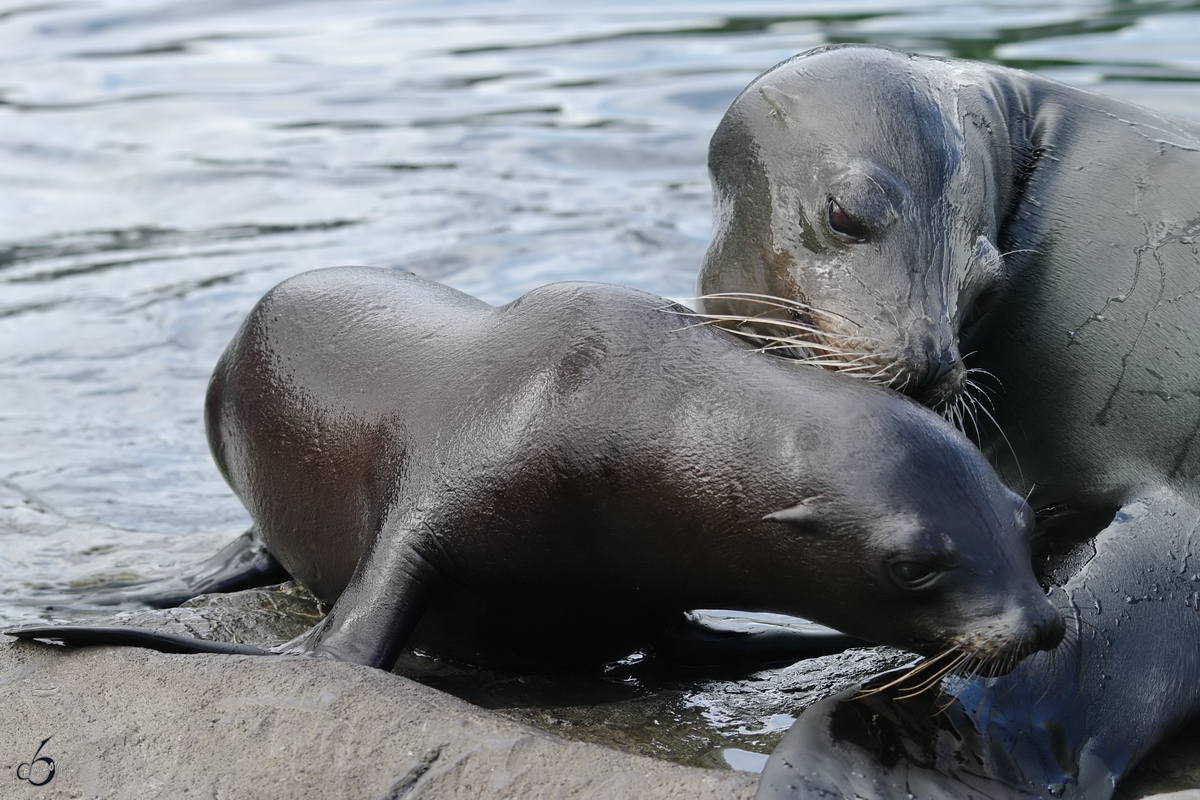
<point>385,599</point>
<point>244,563</point>
<point>697,640</point>
<point>369,624</point>
<point>86,635</point>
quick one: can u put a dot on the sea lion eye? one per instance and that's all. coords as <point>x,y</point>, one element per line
<point>844,226</point>
<point>911,575</point>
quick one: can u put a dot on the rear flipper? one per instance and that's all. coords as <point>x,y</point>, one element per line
<point>368,624</point>
<point>86,635</point>
<point>378,610</point>
<point>244,563</point>
<point>698,639</point>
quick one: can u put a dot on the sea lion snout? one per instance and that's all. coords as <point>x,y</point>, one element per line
<point>1031,625</point>
<point>1007,615</point>
<point>941,364</point>
<point>934,372</point>
<point>934,375</point>
<point>1050,628</point>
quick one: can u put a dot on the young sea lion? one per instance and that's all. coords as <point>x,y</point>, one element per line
<point>443,471</point>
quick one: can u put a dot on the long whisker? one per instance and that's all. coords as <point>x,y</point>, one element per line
<point>782,323</point>
<point>819,361</point>
<point>774,304</point>
<point>784,343</point>
<point>1007,443</point>
<point>772,301</point>
<point>934,680</point>
<point>1014,252</point>
<point>981,371</point>
<point>795,332</point>
<point>917,668</point>
<point>984,391</point>
<point>972,404</point>
<point>789,342</point>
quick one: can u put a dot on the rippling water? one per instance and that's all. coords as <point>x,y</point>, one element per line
<point>164,163</point>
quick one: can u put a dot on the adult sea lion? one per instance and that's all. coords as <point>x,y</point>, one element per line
<point>443,471</point>
<point>939,226</point>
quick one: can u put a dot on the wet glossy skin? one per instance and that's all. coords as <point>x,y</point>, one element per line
<point>418,456</point>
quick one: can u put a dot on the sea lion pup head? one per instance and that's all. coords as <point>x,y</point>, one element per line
<point>865,188</point>
<point>918,544</point>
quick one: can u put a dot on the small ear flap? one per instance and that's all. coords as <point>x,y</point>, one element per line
<point>800,515</point>
<point>782,104</point>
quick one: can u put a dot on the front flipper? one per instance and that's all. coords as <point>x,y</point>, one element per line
<point>696,639</point>
<point>244,563</point>
<point>1065,724</point>
<point>385,599</point>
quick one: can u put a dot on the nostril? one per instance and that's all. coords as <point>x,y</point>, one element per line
<point>940,365</point>
<point>1050,630</point>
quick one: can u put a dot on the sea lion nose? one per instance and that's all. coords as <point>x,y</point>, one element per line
<point>940,363</point>
<point>1050,629</point>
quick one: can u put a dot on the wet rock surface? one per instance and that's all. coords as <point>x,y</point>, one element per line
<point>717,718</point>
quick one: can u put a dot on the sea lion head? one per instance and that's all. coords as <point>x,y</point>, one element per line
<point>912,540</point>
<point>864,188</point>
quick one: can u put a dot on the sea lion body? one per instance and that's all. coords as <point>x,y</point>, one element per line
<point>575,457</point>
<point>916,213</point>
<point>443,472</point>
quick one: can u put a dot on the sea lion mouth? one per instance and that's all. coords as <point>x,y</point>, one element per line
<point>946,390</point>
<point>963,397</point>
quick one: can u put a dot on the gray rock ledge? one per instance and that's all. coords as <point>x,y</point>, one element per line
<point>126,722</point>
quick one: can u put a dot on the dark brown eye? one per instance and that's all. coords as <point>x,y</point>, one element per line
<point>844,226</point>
<point>912,574</point>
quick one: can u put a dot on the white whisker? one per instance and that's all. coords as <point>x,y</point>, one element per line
<point>772,301</point>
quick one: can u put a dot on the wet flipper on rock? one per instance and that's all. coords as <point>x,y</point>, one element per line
<point>368,625</point>
<point>381,606</point>
<point>91,635</point>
